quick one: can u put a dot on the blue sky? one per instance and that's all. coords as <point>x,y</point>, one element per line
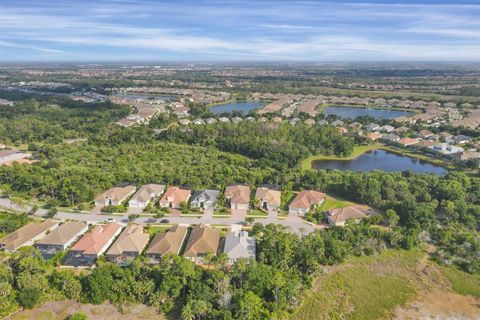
<point>239,30</point>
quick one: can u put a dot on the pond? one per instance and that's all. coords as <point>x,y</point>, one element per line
<point>350,112</point>
<point>380,160</point>
<point>243,107</point>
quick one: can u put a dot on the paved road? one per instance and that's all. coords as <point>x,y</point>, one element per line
<point>296,224</point>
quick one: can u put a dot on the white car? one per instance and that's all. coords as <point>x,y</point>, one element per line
<point>109,220</point>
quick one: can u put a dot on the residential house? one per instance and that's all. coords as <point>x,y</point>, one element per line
<point>145,194</point>
<point>304,201</point>
<point>128,245</point>
<point>169,242</point>
<point>461,139</point>
<point>198,121</point>
<point>401,129</point>
<point>236,119</point>
<point>173,197</point>
<point>337,123</point>
<point>446,135</point>
<point>184,122</point>
<point>309,122</point>
<point>425,134</point>
<point>445,149</point>
<point>114,196</point>
<point>268,198</point>
<point>27,235</point>
<point>390,137</point>
<point>238,196</point>
<point>423,144</point>
<point>374,135</point>
<point>9,156</point>
<point>372,127</point>
<point>204,199</point>
<point>386,128</point>
<point>211,120</point>
<point>224,119</point>
<point>61,238</point>
<point>355,124</point>
<point>202,240</point>
<point>339,216</point>
<point>239,245</point>
<point>468,155</point>
<point>405,142</point>
<point>322,122</point>
<point>85,252</point>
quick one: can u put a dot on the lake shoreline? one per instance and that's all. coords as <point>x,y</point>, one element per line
<point>307,164</point>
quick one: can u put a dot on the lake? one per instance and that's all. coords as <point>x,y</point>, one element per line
<point>354,112</point>
<point>243,107</point>
<point>380,160</point>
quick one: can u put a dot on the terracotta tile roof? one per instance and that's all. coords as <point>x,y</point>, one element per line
<point>132,239</point>
<point>203,239</point>
<point>63,234</point>
<point>93,242</point>
<point>307,198</point>
<point>175,195</point>
<point>238,194</point>
<point>270,196</point>
<point>343,214</point>
<point>169,242</point>
<point>26,233</point>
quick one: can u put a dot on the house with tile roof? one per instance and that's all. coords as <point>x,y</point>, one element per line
<point>239,245</point>
<point>204,199</point>
<point>268,198</point>
<point>61,238</point>
<point>238,196</point>
<point>145,194</point>
<point>169,242</point>
<point>92,245</point>
<point>114,196</point>
<point>128,245</point>
<point>202,240</point>
<point>27,235</point>
<point>339,216</point>
<point>174,196</point>
<point>304,201</point>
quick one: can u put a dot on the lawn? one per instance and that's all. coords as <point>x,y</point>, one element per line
<point>156,229</point>
<point>357,151</point>
<point>362,288</point>
<point>462,282</point>
<point>332,203</point>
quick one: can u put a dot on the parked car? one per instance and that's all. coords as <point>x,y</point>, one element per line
<point>109,220</point>
<point>164,221</point>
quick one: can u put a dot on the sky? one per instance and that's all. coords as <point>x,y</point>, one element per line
<point>238,30</point>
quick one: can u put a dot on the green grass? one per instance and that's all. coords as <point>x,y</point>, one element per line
<point>357,151</point>
<point>462,282</point>
<point>362,288</point>
<point>332,203</point>
<point>156,229</point>
<point>256,213</point>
